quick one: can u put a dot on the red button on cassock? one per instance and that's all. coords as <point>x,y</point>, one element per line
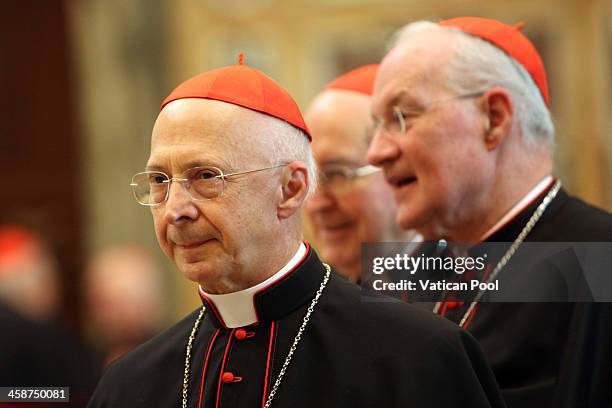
<point>227,377</point>
<point>454,304</point>
<point>240,334</point>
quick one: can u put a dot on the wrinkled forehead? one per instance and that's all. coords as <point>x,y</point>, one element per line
<point>339,122</point>
<point>414,68</point>
<point>339,111</point>
<point>193,129</point>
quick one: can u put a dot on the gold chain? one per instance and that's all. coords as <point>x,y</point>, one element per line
<point>292,349</point>
<point>510,252</point>
<point>194,331</point>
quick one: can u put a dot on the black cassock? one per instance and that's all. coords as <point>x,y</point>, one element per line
<point>549,354</point>
<point>45,354</point>
<point>353,354</point>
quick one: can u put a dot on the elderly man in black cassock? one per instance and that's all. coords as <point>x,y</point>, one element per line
<point>465,137</point>
<point>229,170</point>
<point>352,203</point>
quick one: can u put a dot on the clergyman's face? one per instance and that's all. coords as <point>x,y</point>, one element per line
<point>437,166</point>
<point>215,241</point>
<point>365,212</point>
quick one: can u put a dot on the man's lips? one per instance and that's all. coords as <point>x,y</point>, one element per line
<point>190,244</point>
<point>336,226</point>
<point>335,231</point>
<point>399,182</point>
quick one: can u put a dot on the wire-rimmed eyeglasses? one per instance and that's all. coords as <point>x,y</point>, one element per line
<point>397,122</point>
<point>339,177</point>
<point>202,183</point>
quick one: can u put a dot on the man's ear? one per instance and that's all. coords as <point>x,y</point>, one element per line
<point>293,189</point>
<point>496,104</point>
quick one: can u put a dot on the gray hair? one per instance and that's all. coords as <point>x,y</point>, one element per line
<point>478,65</point>
<point>294,145</point>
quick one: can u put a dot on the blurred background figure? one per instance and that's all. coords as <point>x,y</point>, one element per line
<point>29,282</point>
<point>353,203</point>
<point>36,348</point>
<point>125,299</point>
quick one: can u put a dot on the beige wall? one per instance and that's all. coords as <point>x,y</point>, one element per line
<point>130,53</point>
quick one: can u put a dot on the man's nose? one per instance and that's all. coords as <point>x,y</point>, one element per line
<point>180,207</point>
<point>382,151</point>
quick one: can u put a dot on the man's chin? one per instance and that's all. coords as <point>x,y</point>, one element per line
<point>197,271</point>
<point>409,218</point>
<point>339,256</point>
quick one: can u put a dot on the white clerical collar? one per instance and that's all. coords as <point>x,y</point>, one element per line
<point>237,309</point>
<point>520,206</point>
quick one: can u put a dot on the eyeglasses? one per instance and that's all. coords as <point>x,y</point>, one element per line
<point>339,178</point>
<point>202,183</point>
<point>397,122</point>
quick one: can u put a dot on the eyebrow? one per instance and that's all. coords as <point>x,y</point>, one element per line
<point>222,164</point>
<point>400,97</point>
<point>395,98</point>
<point>403,97</point>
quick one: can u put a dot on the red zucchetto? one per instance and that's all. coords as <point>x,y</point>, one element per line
<point>509,39</point>
<point>358,80</point>
<point>243,86</point>
<point>16,244</point>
